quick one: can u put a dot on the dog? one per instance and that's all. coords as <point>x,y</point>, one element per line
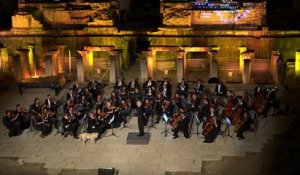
<point>89,136</point>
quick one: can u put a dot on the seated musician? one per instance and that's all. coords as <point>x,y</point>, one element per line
<point>36,108</point>
<point>22,116</point>
<point>99,102</point>
<point>124,112</point>
<point>50,103</point>
<point>211,127</point>
<point>93,87</point>
<point>198,88</point>
<point>85,104</point>
<point>115,99</point>
<point>149,84</point>
<point>258,90</point>
<point>194,103</point>
<point>137,95</point>
<point>49,117</point>
<point>243,125</point>
<point>181,124</point>
<point>132,85</point>
<point>220,89</point>
<point>204,109</point>
<point>158,106</point>
<point>94,126</point>
<point>168,108</point>
<point>165,88</point>
<point>149,94</point>
<point>182,88</point>
<point>70,95</point>
<point>70,122</point>
<point>12,123</point>
<point>179,101</point>
<point>69,103</point>
<point>123,93</point>
<point>148,104</point>
<point>119,84</point>
<point>43,124</point>
<point>111,112</point>
<point>76,87</point>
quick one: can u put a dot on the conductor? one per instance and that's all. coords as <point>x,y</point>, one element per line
<point>140,112</point>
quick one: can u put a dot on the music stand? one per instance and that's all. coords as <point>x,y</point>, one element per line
<point>227,128</point>
<point>166,120</point>
<point>112,128</point>
<point>197,124</point>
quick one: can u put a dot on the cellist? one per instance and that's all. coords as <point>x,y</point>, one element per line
<point>180,123</point>
<point>211,127</point>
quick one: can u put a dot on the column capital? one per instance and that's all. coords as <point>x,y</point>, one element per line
<point>215,48</point>
<point>243,48</point>
<point>82,52</point>
<point>180,54</point>
<point>213,53</point>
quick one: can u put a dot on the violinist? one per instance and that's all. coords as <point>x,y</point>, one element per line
<point>111,112</point>
<point>48,116</point>
<point>93,87</point>
<point>220,89</point>
<point>123,93</point>
<point>149,94</point>
<point>23,118</point>
<point>182,88</point>
<point>50,103</point>
<point>195,103</point>
<point>99,102</point>
<point>180,123</point>
<point>76,88</point>
<point>101,116</point>
<point>115,99</point>
<point>70,122</point>
<point>165,88</point>
<point>43,124</point>
<point>93,124</point>
<point>198,88</point>
<point>119,84</point>
<point>69,103</point>
<point>11,123</point>
<point>70,95</point>
<point>149,84</point>
<point>136,95</point>
<point>36,108</point>
<point>158,107</point>
<point>148,104</point>
<point>204,109</point>
<point>211,127</point>
<point>132,85</point>
<point>124,112</point>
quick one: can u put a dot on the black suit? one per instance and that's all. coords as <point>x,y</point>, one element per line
<point>140,112</point>
<point>198,89</point>
<point>131,87</point>
<point>220,91</point>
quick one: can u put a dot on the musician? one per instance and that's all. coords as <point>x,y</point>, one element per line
<point>101,118</point>
<point>220,89</point>
<point>211,127</point>
<point>124,112</point>
<point>111,112</point>
<point>258,90</point>
<point>76,88</point>
<point>93,124</point>
<point>49,117</point>
<point>182,119</point>
<point>195,102</point>
<point>43,124</point>
<point>93,88</point>
<point>243,125</point>
<point>178,100</point>
<point>198,88</point>
<point>119,84</point>
<point>36,107</point>
<point>123,93</point>
<point>115,99</point>
<point>148,104</point>
<point>149,94</point>
<point>132,85</point>
<point>182,88</point>
<point>70,95</point>
<point>70,122</point>
<point>12,124</point>
<point>136,95</point>
<point>168,108</point>
<point>204,109</point>
<point>23,118</point>
<point>50,103</point>
<point>165,88</point>
<point>149,84</point>
<point>99,102</point>
<point>69,103</point>
<point>140,113</point>
<point>158,107</point>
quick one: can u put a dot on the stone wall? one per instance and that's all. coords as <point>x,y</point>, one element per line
<point>25,20</point>
<point>176,14</point>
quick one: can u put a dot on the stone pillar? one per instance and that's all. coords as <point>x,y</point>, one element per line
<point>143,70</point>
<point>297,63</point>
<point>274,66</point>
<point>85,62</point>
<point>80,69</point>
<point>213,64</point>
<point>147,55</point>
<point>249,54</point>
<point>242,49</point>
<point>53,54</point>
<point>61,58</point>
<point>153,56</point>
<point>118,55</point>
<point>48,63</point>
<point>180,65</point>
<point>23,53</point>
<point>112,68</point>
<point>31,60</point>
<point>17,68</point>
<point>4,59</point>
<point>247,71</point>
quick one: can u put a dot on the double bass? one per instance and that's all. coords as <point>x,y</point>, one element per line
<point>259,102</point>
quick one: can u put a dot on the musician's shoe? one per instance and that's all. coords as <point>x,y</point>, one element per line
<point>175,137</point>
<point>140,135</point>
<point>76,137</point>
<point>241,138</point>
<point>157,122</point>
<point>187,137</point>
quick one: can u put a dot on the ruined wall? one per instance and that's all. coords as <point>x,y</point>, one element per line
<point>24,20</point>
<point>176,14</point>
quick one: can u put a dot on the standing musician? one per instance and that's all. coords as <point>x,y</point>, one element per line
<point>11,122</point>
<point>198,88</point>
<point>182,88</point>
<point>50,103</point>
<point>94,125</point>
<point>70,122</point>
<point>210,127</point>
<point>132,85</point>
<point>243,125</point>
<point>180,123</point>
<point>220,89</point>
<point>140,113</point>
<point>165,88</point>
<point>158,106</point>
<point>149,84</point>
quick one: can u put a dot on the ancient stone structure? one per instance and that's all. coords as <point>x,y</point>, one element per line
<point>181,43</point>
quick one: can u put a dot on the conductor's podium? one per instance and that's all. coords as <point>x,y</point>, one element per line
<point>133,139</point>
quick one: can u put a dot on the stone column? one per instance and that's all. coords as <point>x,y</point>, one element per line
<point>31,60</point>
<point>23,53</point>
<point>54,60</point>
<point>274,66</point>
<point>249,54</point>
<point>61,58</point>
<point>153,56</point>
<point>247,71</point>
<point>48,63</point>
<point>118,55</point>
<point>213,64</point>
<point>150,62</point>
<point>297,63</point>
<point>85,62</point>
<point>4,59</point>
<point>112,68</point>
<point>143,70</point>
<point>180,65</point>
<point>241,59</point>
<point>17,68</point>
<point>80,69</point>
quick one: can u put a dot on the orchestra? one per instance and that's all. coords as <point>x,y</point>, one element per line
<point>87,106</point>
